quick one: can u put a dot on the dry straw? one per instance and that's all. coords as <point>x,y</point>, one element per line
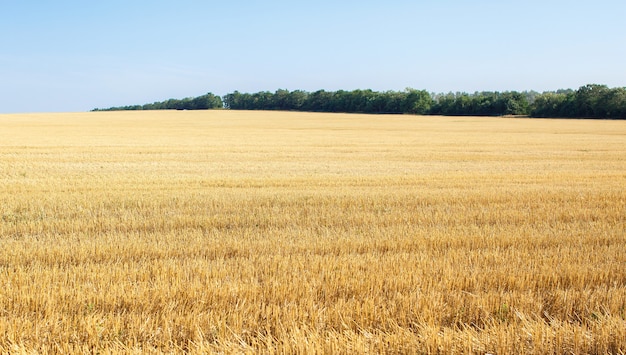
<point>281,233</point>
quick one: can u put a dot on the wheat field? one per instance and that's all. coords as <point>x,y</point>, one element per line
<point>240,232</point>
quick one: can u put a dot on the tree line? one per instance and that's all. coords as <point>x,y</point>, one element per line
<point>203,102</point>
<point>589,101</point>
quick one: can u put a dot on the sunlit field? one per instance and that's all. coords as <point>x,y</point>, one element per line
<point>281,233</point>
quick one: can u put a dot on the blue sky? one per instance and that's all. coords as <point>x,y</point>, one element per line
<point>76,55</point>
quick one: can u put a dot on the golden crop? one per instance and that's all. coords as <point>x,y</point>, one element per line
<point>280,233</point>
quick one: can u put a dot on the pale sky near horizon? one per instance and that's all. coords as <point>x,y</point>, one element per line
<point>71,55</point>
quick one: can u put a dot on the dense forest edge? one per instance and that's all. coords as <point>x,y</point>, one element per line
<point>589,101</point>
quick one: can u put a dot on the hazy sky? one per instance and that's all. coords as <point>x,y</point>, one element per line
<point>77,55</point>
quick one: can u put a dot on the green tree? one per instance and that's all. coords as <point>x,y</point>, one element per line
<point>417,102</point>
<point>297,99</point>
<point>515,103</point>
<point>549,104</point>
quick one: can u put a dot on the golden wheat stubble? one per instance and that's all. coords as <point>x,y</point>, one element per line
<point>227,231</point>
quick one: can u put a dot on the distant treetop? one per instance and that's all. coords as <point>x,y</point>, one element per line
<point>589,101</point>
<point>203,102</point>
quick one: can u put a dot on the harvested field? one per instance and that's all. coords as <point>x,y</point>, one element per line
<point>283,232</point>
